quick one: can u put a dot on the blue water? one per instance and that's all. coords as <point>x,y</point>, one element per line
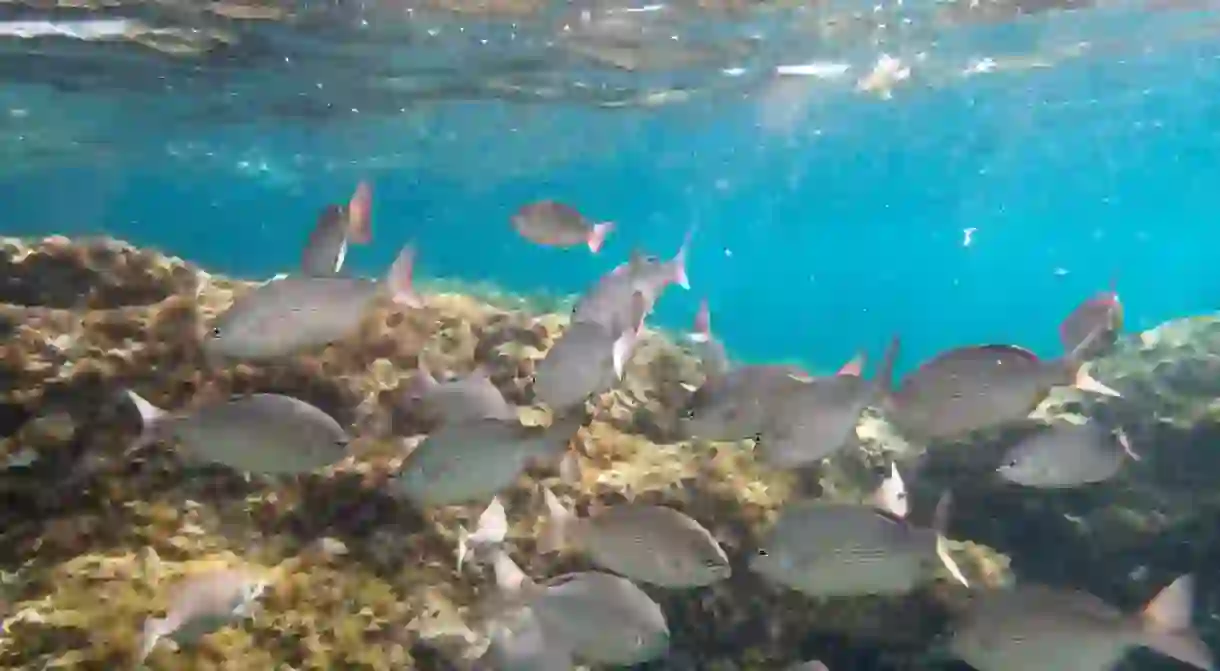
<point>810,245</point>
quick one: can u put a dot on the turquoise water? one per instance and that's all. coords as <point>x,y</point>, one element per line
<point>811,244</point>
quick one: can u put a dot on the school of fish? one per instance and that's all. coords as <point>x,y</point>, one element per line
<point>606,617</point>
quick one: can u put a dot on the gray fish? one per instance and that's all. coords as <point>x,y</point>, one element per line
<point>266,434</point>
<point>652,544</point>
<point>737,405</point>
<point>461,463</point>
<point>602,618</point>
<point>288,315</point>
<point>837,549</point>
<point>1092,328</point>
<point>471,398</point>
<point>326,247</point>
<point>818,418</point>
<point>1066,455</point>
<point>547,222</point>
<point>971,388</point>
<point>518,643</point>
<point>202,604</point>
<point>611,301</point>
<point>588,358</point>
<point>1036,627</point>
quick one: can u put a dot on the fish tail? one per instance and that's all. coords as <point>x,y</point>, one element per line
<point>597,236</point>
<point>510,579</point>
<point>942,552</point>
<point>1086,382</point>
<point>150,418</point>
<point>556,529</point>
<point>1166,625</point>
<point>154,630</point>
<point>420,383</point>
<point>570,472</point>
<point>883,382</point>
<point>940,524</point>
<point>855,366</point>
<point>678,263</point>
<point>463,547</point>
<point>359,214</point>
<point>1125,442</point>
<point>891,495</point>
<point>400,279</point>
<point>701,331</point>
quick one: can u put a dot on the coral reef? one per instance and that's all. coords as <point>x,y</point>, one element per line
<point>359,579</point>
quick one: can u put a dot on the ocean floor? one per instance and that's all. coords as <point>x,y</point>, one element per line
<point>90,539</point>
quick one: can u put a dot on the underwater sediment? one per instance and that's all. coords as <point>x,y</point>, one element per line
<point>91,537</point>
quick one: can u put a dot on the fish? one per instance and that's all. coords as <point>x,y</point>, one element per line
<point>201,604</point>
<point>1038,627</point>
<point>612,300</point>
<point>1098,320</point>
<point>602,618</point>
<point>819,417</point>
<point>748,401</point>
<point>326,248</point>
<point>297,313</point>
<point>588,358</point>
<point>547,222</point>
<point>266,434</point>
<point>489,533</point>
<point>652,544</point>
<point>474,461</point>
<point>710,351</point>
<point>736,405</point>
<point>971,388</point>
<point>811,665</point>
<point>470,398</point>
<point>826,549</point>
<point>518,643</point>
<point>360,214</point>
<point>1066,455</point>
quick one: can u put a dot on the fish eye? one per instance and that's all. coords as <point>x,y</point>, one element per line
<point>215,332</point>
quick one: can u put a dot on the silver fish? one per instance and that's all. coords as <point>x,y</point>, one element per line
<point>737,405</point>
<point>266,434</point>
<point>1066,455</point>
<point>518,643</point>
<point>470,398</point>
<point>474,461</point>
<point>971,388</point>
<point>588,358</point>
<point>547,222</point>
<point>326,248</point>
<point>652,544</point>
<point>1036,627</point>
<point>610,301</point>
<point>292,314</point>
<point>818,418</point>
<point>839,549</point>
<point>202,604</point>
<point>1096,321</point>
<point>602,618</point>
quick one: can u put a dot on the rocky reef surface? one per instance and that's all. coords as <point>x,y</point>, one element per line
<point>90,538</point>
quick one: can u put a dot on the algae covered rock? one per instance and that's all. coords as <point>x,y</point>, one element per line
<point>358,578</point>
